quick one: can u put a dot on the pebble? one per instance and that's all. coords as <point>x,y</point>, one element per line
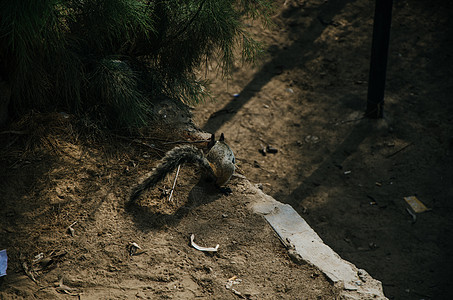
<point>270,149</point>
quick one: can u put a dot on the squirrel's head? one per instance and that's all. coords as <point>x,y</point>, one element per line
<point>212,140</point>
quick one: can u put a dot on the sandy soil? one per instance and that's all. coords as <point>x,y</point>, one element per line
<point>345,175</point>
<point>67,180</point>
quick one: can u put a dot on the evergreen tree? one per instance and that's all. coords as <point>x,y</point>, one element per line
<point>111,58</point>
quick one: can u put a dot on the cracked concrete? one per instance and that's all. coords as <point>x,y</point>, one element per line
<point>305,244</point>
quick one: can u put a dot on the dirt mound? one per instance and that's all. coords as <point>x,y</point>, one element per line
<point>68,232</point>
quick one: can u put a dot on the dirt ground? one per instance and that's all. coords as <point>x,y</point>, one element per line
<point>65,179</point>
<point>345,175</point>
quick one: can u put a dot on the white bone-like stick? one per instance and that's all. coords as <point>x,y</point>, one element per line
<point>206,249</point>
<point>174,183</point>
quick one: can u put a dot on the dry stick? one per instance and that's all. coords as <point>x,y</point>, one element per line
<point>164,140</point>
<point>26,269</point>
<point>14,132</point>
<point>348,121</point>
<point>12,142</point>
<point>263,141</point>
<point>147,145</point>
<point>398,151</point>
<point>186,142</point>
<point>161,140</point>
<point>138,142</point>
<point>174,183</point>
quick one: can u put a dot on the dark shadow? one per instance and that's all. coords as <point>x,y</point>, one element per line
<point>283,59</point>
<point>145,220</point>
<point>334,161</point>
<point>417,252</point>
<point>362,128</point>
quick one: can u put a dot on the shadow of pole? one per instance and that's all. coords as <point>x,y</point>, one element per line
<point>286,59</point>
<point>350,144</point>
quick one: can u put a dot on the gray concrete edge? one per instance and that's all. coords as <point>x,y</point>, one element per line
<point>304,245</point>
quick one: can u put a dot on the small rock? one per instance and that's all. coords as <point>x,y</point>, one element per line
<point>362,275</point>
<point>295,257</point>
<point>312,139</point>
<point>373,245</point>
<point>270,149</point>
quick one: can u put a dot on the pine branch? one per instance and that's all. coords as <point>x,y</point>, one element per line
<point>182,30</point>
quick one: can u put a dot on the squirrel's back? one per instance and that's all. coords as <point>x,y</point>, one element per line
<point>217,164</point>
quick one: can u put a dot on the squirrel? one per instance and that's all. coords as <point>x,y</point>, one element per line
<point>218,164</point>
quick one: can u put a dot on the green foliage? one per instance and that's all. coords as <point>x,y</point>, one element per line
<point>29,33</point>
<point>113,57</point>
<point>115,85</point>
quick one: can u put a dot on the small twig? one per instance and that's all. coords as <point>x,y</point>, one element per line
<point>12,142</point>
<point>263,141</point>
<point>154,147</point>
<point>349,121</point>
<point>14,132</point>
<point>186,142</point>
<point>398,151</point>
<point>174,183</point>
<point>183,29</point>
<point>71,230</point>
<point>137,141</point>
<point>237,293</point>
<point>165,141</point>
<point>147,145</point>
<point>151,138</point>
<point>27,270</point>
<point>62,288</point>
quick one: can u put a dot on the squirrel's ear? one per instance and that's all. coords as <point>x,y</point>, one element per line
<point>222,138</point>
<point>212,141</point>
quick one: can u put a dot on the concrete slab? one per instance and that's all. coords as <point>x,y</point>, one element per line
<point>304,244</point>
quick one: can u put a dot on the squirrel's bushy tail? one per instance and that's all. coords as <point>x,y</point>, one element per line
<point>169,163</point>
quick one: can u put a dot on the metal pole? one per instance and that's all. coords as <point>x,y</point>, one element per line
<point>378,63</point>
